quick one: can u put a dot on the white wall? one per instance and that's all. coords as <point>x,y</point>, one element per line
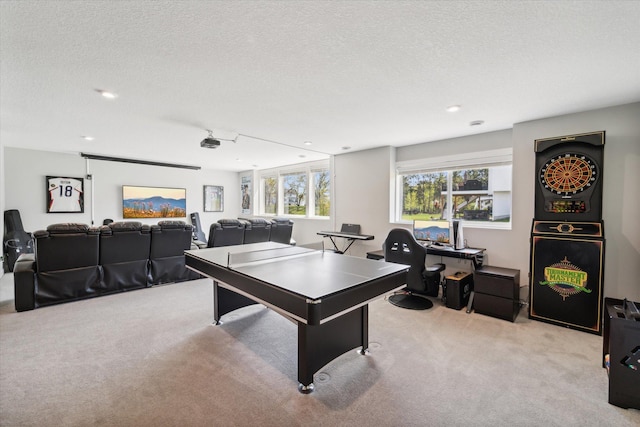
<point>25,187</point>
<point>621,177</point>
<point>2,208</point>
<point>362,183</point>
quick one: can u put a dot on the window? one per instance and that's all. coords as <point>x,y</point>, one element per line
<point>294,187</point>
<point>270,192</point>
<point>322,190</point>
<point>475,188</point>
<point>297,190</point>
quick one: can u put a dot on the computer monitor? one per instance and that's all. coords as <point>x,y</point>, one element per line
<point>431,230</point>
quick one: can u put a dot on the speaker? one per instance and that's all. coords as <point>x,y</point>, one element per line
<point>458,287</point>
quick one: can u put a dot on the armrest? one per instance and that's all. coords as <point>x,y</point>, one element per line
<point>200,244</point>
<point>24,282</point>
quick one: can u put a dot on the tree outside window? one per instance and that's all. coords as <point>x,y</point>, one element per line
<point>294,187</point>
<point>322,189</point>
<point>270,191</point>
<point>422,195</point>
<point>478,194</point>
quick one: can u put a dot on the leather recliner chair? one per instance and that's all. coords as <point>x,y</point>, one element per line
<point>169,240</point>
<point>226,232</point>
<point>281,230</point>
<point>256,230</point>
<point>124,255</point>
<point>64,267</point>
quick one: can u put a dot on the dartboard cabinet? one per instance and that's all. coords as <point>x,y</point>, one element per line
<point>567,234</point>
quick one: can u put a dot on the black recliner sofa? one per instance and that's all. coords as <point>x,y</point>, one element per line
<point>74,261</point>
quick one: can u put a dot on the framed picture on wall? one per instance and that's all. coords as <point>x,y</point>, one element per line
<point>213,198</point>
<point>245,194</point>
<point>153,202</point>
<point>65,194</point>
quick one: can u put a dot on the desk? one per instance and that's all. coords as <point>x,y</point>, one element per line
<point>325,294</point>
<point>475,255</point>
<point>351,237</point>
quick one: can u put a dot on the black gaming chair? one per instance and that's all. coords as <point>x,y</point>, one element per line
<point>402,248</point>
<point>15,241</point>
<point>199,239</point>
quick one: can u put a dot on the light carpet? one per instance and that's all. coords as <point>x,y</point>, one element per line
<point>152,358</point>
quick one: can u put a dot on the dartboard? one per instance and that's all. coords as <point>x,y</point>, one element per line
<point>568,174</point>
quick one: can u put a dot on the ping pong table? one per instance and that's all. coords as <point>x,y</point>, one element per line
<point>324,293</point>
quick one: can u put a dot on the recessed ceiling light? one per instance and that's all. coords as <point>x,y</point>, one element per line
<point>453,108</point>
<point>87,138</point>
<point>107,94</point>
<point>302,156</point>
<point>346,147</point>
<point>308,143</point>
<point>476,123</point>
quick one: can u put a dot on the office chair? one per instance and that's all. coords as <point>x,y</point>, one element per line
<point>402,248</point>
<point>15,241</point>
<point>199,239</point>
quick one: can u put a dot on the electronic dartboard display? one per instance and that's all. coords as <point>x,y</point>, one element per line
<point>569,186</point>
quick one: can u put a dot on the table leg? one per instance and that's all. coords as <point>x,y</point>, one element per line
<point>225,301</point>
<point>320,344</point>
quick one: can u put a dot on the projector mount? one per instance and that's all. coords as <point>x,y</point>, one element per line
<point>211,142</point>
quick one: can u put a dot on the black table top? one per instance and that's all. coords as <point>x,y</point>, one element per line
<point>304,272</point>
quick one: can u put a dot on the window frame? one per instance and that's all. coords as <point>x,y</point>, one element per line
<point>475,160</point>
<point>309,169</point>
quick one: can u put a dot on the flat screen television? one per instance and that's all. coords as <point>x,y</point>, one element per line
<point>153,202</point>
<point>431,230</point>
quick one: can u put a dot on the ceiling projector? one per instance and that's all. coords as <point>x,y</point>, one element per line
<point>210,142</point>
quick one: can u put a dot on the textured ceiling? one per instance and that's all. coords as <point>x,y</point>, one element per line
<point>361,74</point>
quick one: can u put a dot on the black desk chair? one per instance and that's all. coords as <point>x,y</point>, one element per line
<point>402,248</point>
<point>199,238</point>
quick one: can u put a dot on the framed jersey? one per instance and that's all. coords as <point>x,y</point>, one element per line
<point>65,194</point>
